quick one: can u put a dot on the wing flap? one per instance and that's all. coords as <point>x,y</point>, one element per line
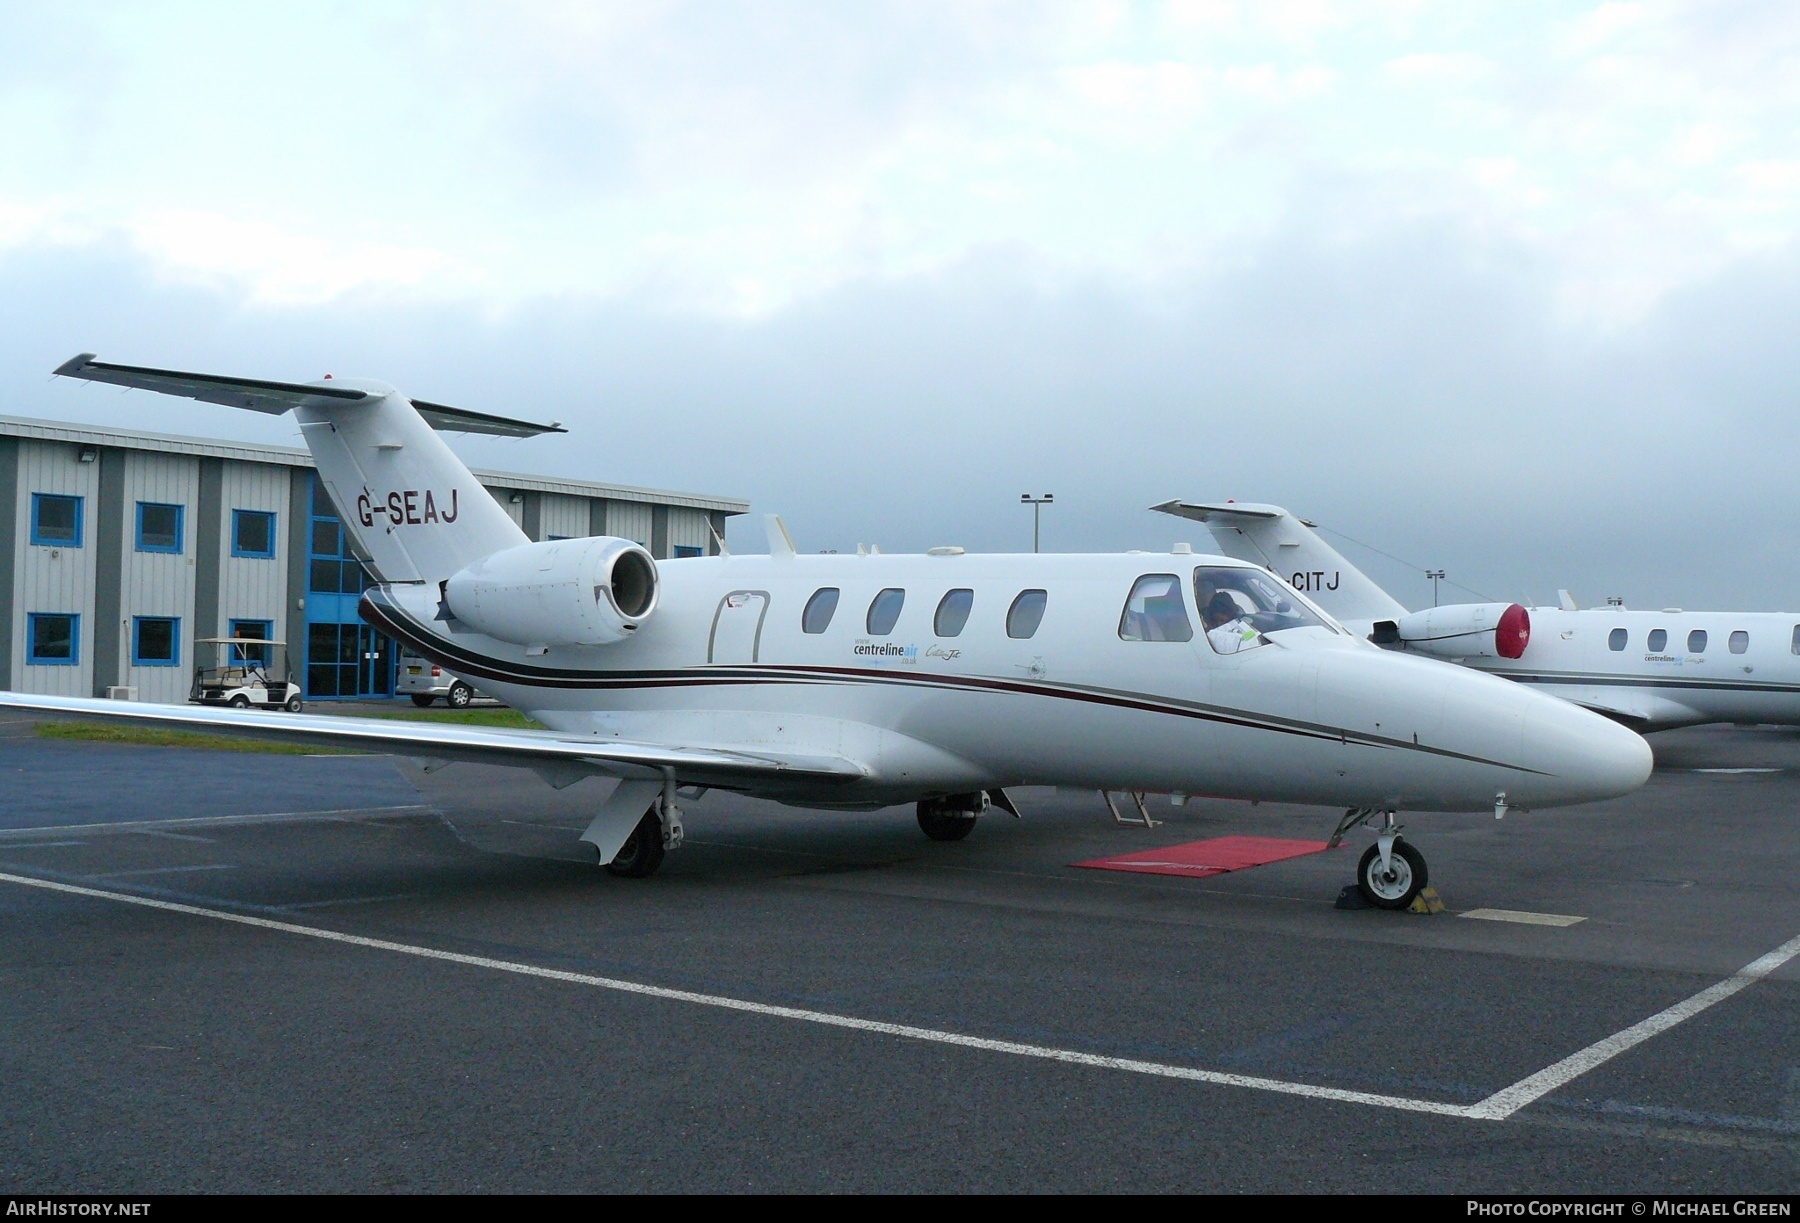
<point>535,749</point>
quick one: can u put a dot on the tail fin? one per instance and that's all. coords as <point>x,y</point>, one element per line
<point>1269,535</point>
<point>416,511</point>
<point>410,504</point>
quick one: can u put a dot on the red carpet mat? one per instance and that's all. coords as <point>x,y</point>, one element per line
<point>1198,859</point>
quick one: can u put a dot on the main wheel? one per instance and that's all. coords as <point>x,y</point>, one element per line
<point>240,701</point>
<point>642,852</point>
<point>460,695</point>
<point>942,825</point>
<point>423,699</point>
<point>1394,888</point>
<point>293,703</point>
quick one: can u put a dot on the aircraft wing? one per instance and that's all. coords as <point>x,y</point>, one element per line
<point>558,756</point>
<point>260,395</point>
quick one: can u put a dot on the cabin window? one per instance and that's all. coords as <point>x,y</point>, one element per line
<point>1697,641</point>
<point>1738,641</point>
<point>158,527</point>
<point>1027,612</point>
<point>1155,611</point>
<point>1794,646</point>
<point>884,609</point>
<point>953,613</point>
<point>1616,639</point>
<point>1657,639</point>
<point>1240,607</point>
<point>819,610</point>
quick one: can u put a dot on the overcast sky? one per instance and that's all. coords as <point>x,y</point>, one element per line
<point>1508,289</point>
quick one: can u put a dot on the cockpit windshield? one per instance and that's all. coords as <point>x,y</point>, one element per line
<point>1240,607</point>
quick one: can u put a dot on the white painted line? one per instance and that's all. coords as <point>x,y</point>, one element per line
<point>163,870</point>
<point>42,845</point>
<point>348,900</point>
<point>1509,1100</point>
<point>172,836</point>
<point>1523,918</point>
<point>211,821</point>
<point>905,1031</point>
<point>1497,1107</point>
<point>1737,770</point>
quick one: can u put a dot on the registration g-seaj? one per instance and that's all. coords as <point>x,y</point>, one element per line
<point>860,682</point>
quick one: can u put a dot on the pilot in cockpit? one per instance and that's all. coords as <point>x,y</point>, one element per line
<point>1226,627</point>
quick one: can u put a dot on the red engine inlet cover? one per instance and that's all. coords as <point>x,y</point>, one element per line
<point>1513,633</point>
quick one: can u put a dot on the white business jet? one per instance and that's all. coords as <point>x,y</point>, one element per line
<point>1650,670</point>
<point>867,681</point>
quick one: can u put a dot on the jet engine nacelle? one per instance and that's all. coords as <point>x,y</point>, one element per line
<point>1466,630</point>
<point>590,591</point>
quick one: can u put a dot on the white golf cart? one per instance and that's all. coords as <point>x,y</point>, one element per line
<point>248,673</point>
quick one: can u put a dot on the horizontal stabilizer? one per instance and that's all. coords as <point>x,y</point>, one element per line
<point>534,749</point>
<point>260,395</point>
<point>1201,511</point>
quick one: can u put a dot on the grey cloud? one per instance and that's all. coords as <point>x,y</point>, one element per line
<point>1403,385</point>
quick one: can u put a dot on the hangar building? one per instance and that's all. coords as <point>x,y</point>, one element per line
<point>119,549</point>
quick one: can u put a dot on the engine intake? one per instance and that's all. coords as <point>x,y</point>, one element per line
<point>591,591</point>
<point>1467,630</point>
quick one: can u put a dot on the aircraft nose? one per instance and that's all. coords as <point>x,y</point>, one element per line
<point>1584,756</point>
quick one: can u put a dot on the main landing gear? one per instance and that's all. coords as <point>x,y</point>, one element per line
<point>656,833</point>
<point>1391,873</point>
<point>643,851</point>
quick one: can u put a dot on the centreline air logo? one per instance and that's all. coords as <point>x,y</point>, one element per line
<point>404,507</point>
<point>885,651</point>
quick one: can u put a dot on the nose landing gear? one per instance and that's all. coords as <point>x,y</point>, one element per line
<point>1391,873</point>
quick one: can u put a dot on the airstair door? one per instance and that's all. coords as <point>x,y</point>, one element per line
<point>737,627</point>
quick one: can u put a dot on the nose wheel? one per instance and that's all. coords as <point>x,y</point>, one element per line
<point>1392,884</point>
<point>1391,873</point>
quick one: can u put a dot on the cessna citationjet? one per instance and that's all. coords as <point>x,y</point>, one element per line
<point>867,681</point>
<point>1651,670</point>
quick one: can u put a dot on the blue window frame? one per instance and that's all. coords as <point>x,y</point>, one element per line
<point>53,639</point>
<point>333,567</point>
<point>158,527</point>
<point>258,654</point>
<point>253,534</point>
<point>55,520</point>
<point>155,641</point>
<point>683,550</point>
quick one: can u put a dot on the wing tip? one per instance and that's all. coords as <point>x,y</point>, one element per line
<point>74,367</point>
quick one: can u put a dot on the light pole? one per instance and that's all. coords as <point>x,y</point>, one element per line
<point>1037,504</point>
<point>1436,575</point>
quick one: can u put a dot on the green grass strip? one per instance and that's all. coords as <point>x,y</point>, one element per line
<point>152,736</point>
